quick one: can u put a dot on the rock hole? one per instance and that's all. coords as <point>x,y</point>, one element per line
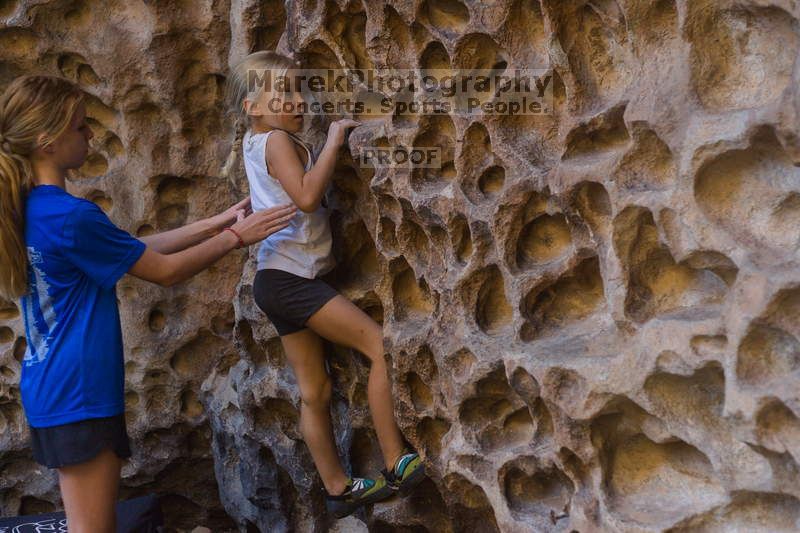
<point>492,310</point>
<point>194,359</point>
<point>570,299</point>
<point>595,38</point>
<point>8,310</point>
<point>535,490</point>
<point>734,61</point>
<point>8,8</point>
<point>447,16</point>
<point>470,508</point>
<point>388,236</point>
<point>650,482</point>
<point>145,230</point>
<point>436,131</point>
<point>420,392</point>
<point>434,60</point>
<point>598,137</point>
<point>431,431</point>
<point>411,298</point>
<point>172,201</point>
<point>30,505</point>
<point>461,238</point>
<point>495,417</point>
<point>766,355</point>
<point>592,202</point>
<point>657,285</point>
<point>759,184</point>
<point>491,181</point>
<point>365,453</point>
<point>190,405</point>
<point>102,200</point>
<point>413,239</point>
<point>269,26</point>
<point>544,239</point>
<point>348,29</point>
<point>277,414</point>
<point>95,165</point>
<point>20,346</point>
<point>778,429</point>
<point>6,335</point>
<point>649,165</point>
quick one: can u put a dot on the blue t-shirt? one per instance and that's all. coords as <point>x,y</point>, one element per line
<point>73,368</point>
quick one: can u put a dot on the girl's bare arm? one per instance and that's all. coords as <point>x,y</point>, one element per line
<point>305,188</point>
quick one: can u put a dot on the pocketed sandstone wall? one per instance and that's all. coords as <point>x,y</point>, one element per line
<point>593,316</point>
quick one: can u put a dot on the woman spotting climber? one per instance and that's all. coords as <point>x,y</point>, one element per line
<point>62,257</point>
<point>287,288</point>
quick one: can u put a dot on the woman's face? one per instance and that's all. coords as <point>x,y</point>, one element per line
<point>72,146</point>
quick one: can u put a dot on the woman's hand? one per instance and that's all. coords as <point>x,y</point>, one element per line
<point>233,214</point>
<point>258,226</point>
<point>338,128</point>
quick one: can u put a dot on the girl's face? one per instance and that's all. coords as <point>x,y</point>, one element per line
<point>282,110</point>
<point>69,150</point>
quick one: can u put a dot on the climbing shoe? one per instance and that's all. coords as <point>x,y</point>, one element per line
<point>407,473</point>
<point>359,491</point>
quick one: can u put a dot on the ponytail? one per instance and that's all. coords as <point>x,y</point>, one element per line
<point>228,170</point>
<point>15,177</point>
<point>29,107</point>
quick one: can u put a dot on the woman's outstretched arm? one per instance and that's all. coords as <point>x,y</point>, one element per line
<point>169,269</point>
<point>175,240</point>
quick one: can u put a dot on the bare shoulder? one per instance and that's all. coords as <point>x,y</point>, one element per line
<point>279,145</point>
<point>284,153</point>
<point>281,140</point>
<point>286,143</point>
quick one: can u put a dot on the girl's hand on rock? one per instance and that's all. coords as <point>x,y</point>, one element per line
<point>338,128</point>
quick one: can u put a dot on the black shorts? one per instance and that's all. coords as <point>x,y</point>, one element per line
<point>78,442</point>
<point>289,300</point>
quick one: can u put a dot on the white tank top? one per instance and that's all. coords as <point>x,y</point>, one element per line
<point>303,247</point>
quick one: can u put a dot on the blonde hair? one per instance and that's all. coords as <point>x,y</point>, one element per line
<point>236,91</point>
<point>31,105</point>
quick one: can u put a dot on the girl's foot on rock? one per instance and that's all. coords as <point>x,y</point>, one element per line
<point>359,491</point>
<point>407,473</point>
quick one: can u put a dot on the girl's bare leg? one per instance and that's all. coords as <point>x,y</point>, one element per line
<point>340,321</point>
<point>305,353</point>
<point>90,492</point>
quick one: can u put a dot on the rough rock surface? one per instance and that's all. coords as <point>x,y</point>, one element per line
<point>593,317</point>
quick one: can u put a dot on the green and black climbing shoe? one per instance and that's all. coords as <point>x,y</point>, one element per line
<point>360,491</point>
<point>407,473</point>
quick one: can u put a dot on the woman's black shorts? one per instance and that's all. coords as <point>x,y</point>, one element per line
<point>289,300</point>
<point>78,442</point>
